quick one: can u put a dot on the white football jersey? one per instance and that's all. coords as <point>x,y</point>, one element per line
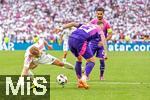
<point>66,33</point>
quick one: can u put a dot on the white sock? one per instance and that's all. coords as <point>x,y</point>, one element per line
<point>84,77</point>
<point>64,59</point>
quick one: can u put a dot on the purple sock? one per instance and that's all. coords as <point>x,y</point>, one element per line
<point>78,69</point>
<point>102,67</point>
<point>89,67</point>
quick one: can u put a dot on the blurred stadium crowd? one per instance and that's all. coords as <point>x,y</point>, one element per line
<point>23,20</point>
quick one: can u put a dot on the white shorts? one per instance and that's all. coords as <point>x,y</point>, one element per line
<point>44,59</point>
<point>65,45</point>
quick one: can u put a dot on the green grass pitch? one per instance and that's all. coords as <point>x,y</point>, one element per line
<point>127,76</point>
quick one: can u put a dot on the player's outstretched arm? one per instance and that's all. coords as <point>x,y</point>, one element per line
<point>27,66</point>
<point>25,71</point>
<point>46,44</point>
<point>68,25</point>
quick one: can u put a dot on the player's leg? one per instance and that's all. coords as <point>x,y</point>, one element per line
<point>102,69</point>
<point>58,63</point>
<point>81,78</point>
<point>86,52</point>
<point>100,55</point>
<point>94,50</point>
<point>90,61</point>
<point>78,67</point>
<point>65,49</point>
<point>89,66</point>
<point>49,59</point>
<point>74,46</point>
<point>66,65</point>
<point>64,56</point>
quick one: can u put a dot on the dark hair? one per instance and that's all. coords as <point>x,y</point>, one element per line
<point>100,9</point>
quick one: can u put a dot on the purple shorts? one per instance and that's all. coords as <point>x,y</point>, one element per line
<point>99,51</point>
<point>79,47</point>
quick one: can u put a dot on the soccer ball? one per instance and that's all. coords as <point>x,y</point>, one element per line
<point>61,79</point>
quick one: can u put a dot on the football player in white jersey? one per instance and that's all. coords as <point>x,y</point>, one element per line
<point>64,37</point>
<point>35,55</point>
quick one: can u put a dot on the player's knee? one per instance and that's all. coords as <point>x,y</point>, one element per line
<point>61,64</point>
<point>79,58</point>
<point>90,64</point>
<point>92,59</point>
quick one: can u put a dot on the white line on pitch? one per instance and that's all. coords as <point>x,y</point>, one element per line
<point>115,83</point>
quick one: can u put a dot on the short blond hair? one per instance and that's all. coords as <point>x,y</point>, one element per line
<point>34,50</point>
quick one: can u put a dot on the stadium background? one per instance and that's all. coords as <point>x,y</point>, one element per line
<point>22,20</point>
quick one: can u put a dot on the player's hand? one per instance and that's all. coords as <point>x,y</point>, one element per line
<point>105,56</point>
<point>100,44</point>
<point>56,30</point>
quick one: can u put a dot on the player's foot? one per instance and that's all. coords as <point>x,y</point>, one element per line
<point>83,84</point>
<point>79,85</point>
<point>101,77</point>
